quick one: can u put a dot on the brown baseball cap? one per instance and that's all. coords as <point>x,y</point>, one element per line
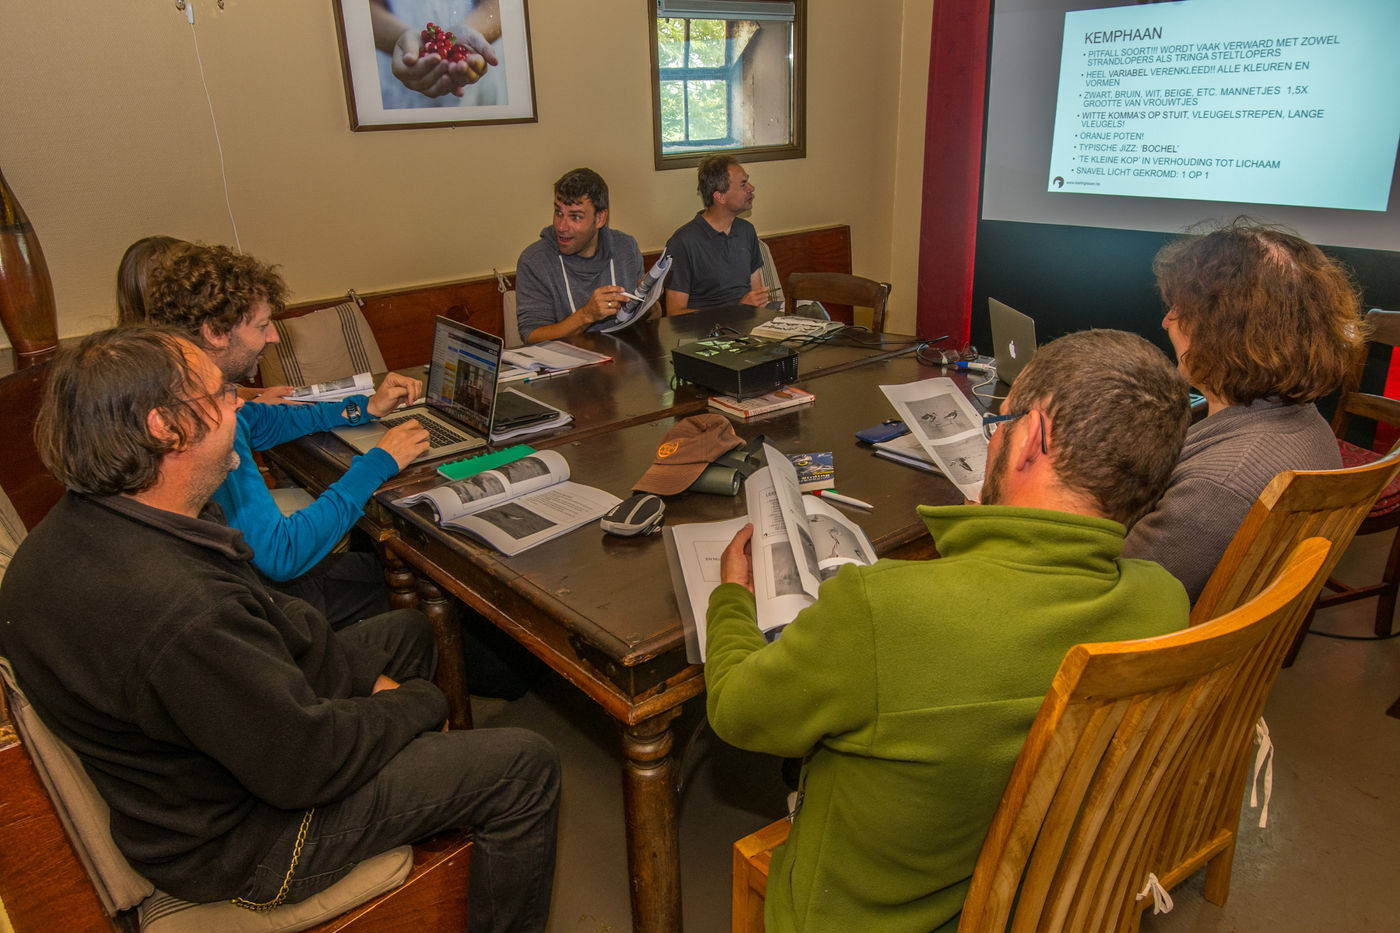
<point>685,451</point>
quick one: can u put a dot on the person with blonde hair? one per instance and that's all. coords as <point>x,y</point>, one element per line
<point>1263,324</point>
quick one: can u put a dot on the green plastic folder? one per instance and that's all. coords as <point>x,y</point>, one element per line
<point>470,466</point>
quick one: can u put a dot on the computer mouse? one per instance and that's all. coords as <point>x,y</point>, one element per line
<point>639,515</point>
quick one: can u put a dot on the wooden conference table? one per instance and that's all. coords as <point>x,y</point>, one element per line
<point>600,610</point>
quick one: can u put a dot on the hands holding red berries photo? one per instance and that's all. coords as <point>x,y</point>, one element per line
<point>436,61</point>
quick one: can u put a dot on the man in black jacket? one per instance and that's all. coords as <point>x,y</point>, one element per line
<point>246,750</point>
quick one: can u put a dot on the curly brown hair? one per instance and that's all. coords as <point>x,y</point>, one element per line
<point>211,285</point>
<point>1119,412</point>
<point>92,432</point>
<point>1267,314</point>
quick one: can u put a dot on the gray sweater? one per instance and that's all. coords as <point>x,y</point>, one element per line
<point>542,294</point>
<point>1228,459</point>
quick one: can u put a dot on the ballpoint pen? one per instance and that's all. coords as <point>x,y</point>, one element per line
<point>545,375</point>
<point>837,497</point>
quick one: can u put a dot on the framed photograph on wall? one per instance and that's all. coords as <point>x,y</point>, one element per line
<point>481,74</point>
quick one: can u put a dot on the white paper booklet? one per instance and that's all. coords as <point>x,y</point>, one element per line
<point>948,428</point>
<point>788,326</point>
<point>647,293</point>
<point>517,505</point>
<point>552,356</point>
<point>358,384</point>
<point>798,542</point>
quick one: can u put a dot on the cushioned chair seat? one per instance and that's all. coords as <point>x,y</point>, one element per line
<point>162,913</point>
<point>1352,456</point>
<point>86,818</point>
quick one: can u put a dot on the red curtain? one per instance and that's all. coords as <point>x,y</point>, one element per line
<point>952,167</point>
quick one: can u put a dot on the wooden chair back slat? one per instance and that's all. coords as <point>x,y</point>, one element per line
<point>839,293</point>
<point>1129,736</point>
<point>1295,505</point>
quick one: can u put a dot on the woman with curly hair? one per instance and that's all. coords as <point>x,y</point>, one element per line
<point>1263,324</point>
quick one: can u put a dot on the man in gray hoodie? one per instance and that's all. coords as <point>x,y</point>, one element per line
<point>575,275</point>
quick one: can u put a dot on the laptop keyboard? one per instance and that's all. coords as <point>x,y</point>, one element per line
<point>439,435</point>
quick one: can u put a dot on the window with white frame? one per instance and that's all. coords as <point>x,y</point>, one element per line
<point>728,75</point>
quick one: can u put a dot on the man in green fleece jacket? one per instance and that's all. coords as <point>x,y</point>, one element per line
<point>909,686</point>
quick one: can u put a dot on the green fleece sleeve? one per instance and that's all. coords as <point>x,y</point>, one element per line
<point>816,680</point>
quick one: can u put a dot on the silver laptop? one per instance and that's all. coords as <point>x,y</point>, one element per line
<point>1013,339</point>
<point>460,404</point>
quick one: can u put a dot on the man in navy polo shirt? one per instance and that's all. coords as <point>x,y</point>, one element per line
<point>715,258</point>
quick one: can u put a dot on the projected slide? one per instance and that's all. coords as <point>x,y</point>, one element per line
<point>1291,102</point>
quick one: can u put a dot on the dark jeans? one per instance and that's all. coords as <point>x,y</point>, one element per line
<point>346,587</point>
<point>501,783</point>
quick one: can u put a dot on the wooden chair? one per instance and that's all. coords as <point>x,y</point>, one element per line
<point>1297,504</point>
<point>1109,786</point>
<point>31,488</point>
<point>59,869</point>
<point>839,293</point>
<point>1385,513</point>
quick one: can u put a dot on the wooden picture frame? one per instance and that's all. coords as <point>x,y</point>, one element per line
<point>378,100</point>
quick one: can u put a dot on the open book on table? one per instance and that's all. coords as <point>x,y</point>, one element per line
<point>517,505</point>
<point>798,542</point>
<point>944,423</point>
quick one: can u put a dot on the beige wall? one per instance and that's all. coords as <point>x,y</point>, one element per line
<point>110,140</point>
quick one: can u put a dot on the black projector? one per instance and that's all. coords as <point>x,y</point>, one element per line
<point>737,366</point>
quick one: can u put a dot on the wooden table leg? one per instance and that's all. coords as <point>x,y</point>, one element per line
<point>653,830</point>
<point>403,585</point>
<point>451,676</point>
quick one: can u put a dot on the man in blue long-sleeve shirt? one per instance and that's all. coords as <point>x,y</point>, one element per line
<point>224,302</point>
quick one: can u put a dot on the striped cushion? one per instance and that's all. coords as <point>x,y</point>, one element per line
<point>1353,456</point>
<point>328,344</point>
<point>161,913</point>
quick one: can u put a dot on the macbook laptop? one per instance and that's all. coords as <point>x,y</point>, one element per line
<point>461,404</point>
<point>1013,339</point>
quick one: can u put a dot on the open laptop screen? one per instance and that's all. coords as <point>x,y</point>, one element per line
<point>462,375</point>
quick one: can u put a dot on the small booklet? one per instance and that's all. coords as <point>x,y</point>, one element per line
<point>815,470</point>
<point>517,505</point>
<point>798,542</point>
<point>358,384</point>
<point>552,356</point>
<point>749,408</point>
<point>946,426</point>
<point>648,292</point>
<point>788,326</point>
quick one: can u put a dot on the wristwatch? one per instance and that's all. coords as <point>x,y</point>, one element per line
<point>352,412</point>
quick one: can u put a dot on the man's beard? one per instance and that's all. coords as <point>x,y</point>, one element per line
<point>201,493</point>
<point>996,473</point>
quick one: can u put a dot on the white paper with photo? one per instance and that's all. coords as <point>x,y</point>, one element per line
<point>519,524</point>
<point>946,425</point>
<point>798,541</point>
<point>483,490</point>
<point>836,540</point>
